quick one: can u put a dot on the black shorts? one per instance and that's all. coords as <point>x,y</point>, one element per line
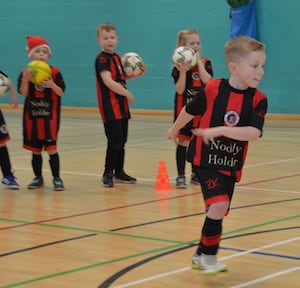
<point>186,131</point>
<point>216,187</point>
<point>4,136</point>
<point>40,145</point>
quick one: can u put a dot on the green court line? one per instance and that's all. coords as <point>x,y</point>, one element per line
<point>144,237</point>
<point>93,231</point>
<point>260,225</point>
<point>132,255</point>
<point>89,266</point>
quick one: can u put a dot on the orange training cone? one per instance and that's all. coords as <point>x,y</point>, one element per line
<point>162,180</point>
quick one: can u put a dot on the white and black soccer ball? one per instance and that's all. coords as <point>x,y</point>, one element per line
<point>3,85</point>
<point>186,55</point>
<point>132,64</point>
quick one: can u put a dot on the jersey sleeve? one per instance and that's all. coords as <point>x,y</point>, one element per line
<point>58,78</point>
<point>208,67</point>
<point>175,74</point>
<point>198,105</point>
<point>102,63</point>
<point>259,113</point>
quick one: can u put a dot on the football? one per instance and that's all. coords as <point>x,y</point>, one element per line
<point>40,71</point>
<point>3,85</point>
<point>132,64</point>
<point>186,55</point>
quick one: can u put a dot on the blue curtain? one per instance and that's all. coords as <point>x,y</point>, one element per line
<point>243,20</point>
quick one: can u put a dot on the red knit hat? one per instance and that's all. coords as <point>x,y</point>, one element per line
<point>35,42</point>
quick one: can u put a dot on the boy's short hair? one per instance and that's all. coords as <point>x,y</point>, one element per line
<point>240,47</point>
<point>106,26</point>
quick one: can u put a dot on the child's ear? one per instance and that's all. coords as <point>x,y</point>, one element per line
<point>232,67</point>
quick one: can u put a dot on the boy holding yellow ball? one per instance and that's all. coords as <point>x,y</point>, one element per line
<point>41,117</point>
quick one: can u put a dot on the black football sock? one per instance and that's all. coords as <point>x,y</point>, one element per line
<point>36,163</point>
<point>181,159</point>
<point>211,236</point>
<point>5,161</point>
<point>54,165</point>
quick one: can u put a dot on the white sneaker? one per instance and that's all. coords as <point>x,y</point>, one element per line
<point>208,264</point>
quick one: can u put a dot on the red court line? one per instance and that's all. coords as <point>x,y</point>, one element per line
<point>268,180</point>
<point>134,204</point>
<point>97,211</point>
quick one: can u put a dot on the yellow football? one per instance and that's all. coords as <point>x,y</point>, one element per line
<point>40,71</point>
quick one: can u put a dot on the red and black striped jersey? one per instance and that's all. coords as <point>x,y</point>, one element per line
<point>112,106</point>
<point>219,104</point>
<point>41,113</point>
<point>193,84</point>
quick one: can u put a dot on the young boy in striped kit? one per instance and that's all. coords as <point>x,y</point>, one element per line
<point>232,114</point>
<point>113,102</point>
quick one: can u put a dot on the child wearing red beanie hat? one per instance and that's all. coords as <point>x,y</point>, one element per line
<point>41,117</point>
<point>36,42</point>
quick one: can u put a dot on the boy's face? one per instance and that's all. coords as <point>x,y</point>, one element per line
<point>41,53</point>
<point>108,40</point>
<point>249,70</point>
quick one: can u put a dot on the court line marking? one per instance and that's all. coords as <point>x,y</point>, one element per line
<point>131,256</point>
<point>272,162</point>
<point>267,277</point>
<point>268,190</point>
<point>152,179</point>
<point>166,274</point>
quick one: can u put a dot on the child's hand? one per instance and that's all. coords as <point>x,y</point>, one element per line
<point>183,67</point>
<point>144,69</point>
<point>171,135</point>
<point>47,83</point>
<point>208,134</point>
<point>14,101</point>
<point>26,74</point>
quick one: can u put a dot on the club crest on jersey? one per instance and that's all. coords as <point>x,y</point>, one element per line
<point>231,118</point>
<point>3,129</point>
<point>196,76</point>
<point>39,88</point>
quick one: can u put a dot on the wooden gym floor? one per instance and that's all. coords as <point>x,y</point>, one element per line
<point>135,236</point>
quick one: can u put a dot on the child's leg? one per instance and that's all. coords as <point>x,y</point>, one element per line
<point>210,237</point>
<point>122,139</point>
<point>55,170</point>
<point>37,162</point>
<point>54,164</point>
<point>114,145</point>
<point>212,228</point>
<point>205,257</point>
<point>120,161</point>
<point>120,174</point>
<point>217,190</point>
<point>180,159</point>
<point>5,161</point>
<point>9,181</point>
<point>181,162</point>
